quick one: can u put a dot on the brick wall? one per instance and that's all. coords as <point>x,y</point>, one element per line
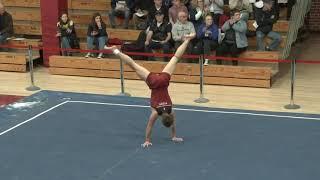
<point>315,16</point>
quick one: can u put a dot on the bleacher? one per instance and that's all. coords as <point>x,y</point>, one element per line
<point>26,14</point>
<point>26,22</point>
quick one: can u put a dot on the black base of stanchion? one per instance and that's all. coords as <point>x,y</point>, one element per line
<point>124,94</point>
<point>32,88</point>
<point>201,100</point>
<point>292,106</point>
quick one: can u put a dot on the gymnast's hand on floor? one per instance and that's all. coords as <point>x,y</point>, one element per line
<point>176,139</point>
<point>146,144</point>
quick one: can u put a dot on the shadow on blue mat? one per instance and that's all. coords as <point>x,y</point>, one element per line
<point>66,136</point>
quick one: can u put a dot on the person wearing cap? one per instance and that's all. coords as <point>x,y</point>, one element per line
<point>6,25</point>
<point>157,6</point>
<point>159,34</point>
<point>265,17</point>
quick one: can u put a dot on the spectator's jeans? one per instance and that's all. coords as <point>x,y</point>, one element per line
<point>3,40</point>
<point>225,49</point>
<point>100,42</point>
<point>206,46</point>
<point>156,45</point>
<point>65,44</point>
<point>276,39</point>
<point>114,13</point>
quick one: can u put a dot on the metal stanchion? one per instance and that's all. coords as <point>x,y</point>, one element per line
<point>122,93</point>
<point>201,99</point>
<point>293,78</point>
<point>32,87</point>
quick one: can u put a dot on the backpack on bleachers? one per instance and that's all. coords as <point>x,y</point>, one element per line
<point>136,46</point>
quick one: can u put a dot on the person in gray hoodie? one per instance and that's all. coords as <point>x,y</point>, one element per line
<point>235,40</point>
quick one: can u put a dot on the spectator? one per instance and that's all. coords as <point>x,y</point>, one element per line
<point>177,6</point>
<point>197,12</point>
<point>159,34</point>
<point>67,34</point>
<point>215,8</point>
<point>6,25</point>
<point>243,5</point>
<point>157,6</point>
<point>182,28</point>
<point>207,35</point>
<point>96,34</point>
<point>121,8</point>
<point>141,14</point>
<point>235,40</point>
<point>167,3</point>
<point>265,18</point>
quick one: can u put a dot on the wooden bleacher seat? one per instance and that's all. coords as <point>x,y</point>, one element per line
<point>280,26</point>
<point>21,3</point>
<point>185,72</point>
<point>98,5</point>
<point>27,28</point>
<point>24,42</point>
<point>24,14</point>
<point>13,61</point>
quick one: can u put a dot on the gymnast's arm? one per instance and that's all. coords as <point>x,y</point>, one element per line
<point>152,119</point>
<point>174,137</point>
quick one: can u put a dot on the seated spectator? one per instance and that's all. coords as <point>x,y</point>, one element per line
<point>141,14</point>
<point>176,7</point>
<point>183,28</point>
<point>215,8</point>
<point>121,8</point>
<point>6,25</point>
<point>67,34</point>
<point>265,18</point>
<point>159,35</point>
<point>235,40</point>
<point>197,12</point>
<point>157,6</point>
<point>96,34</point>
<point>243,5</point>
<point>207,36</point>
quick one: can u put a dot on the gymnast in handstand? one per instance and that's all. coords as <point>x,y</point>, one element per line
<point>160,100</point>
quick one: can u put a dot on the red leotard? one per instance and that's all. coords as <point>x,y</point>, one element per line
<point>158,83</point>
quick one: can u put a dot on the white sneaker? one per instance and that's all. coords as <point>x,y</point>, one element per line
<point>100,55</point>
<point>206,62</point>
<point>88,55</point>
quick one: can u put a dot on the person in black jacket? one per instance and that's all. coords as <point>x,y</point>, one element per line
<point>67,33</point>
<point>6,25</point>
<point>96,34</point>
<point>121,8</point>
<point>158,5</point>
<point>265,18</point>
<point>159,35</point>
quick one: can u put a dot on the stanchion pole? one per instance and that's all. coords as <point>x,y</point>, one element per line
<point>32,87</point>
<point>292,105</point>
<point>201,99</point>
<point>122,93</point>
